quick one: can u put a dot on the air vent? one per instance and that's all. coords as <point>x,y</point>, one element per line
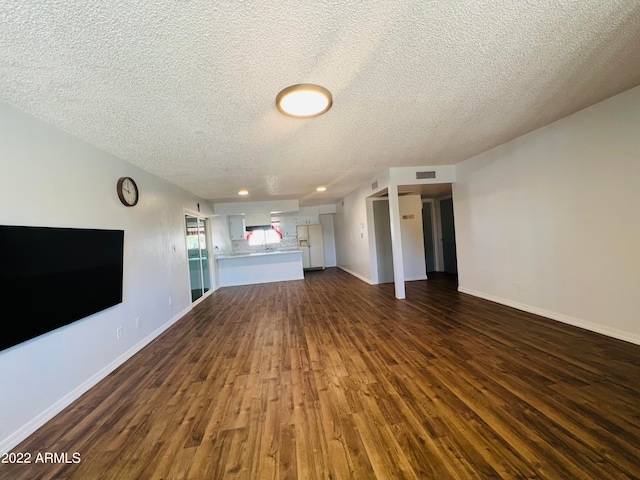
<point>423,175</point>
<point>374,185</point>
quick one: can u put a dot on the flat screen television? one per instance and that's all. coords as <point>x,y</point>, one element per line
<point>51,277</point>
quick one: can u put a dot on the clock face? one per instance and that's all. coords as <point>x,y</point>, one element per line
<point>127,191</point>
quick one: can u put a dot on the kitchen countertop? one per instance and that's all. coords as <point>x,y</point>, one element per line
<point>226,256</point>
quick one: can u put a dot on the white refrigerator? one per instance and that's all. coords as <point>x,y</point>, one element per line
<point>312,246</point>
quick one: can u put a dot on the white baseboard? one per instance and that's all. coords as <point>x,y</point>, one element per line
<point>364,279</point>
<point>576,322</point>
<point>30,427</point>
<point>416,279</point>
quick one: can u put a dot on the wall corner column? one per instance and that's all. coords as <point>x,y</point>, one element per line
<point>396,241</point>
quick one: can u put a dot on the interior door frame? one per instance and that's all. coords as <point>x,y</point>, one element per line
<point>440,236</point>
<point>436,218</point>
<point>436,232</point>
<point>212,281</point>
<point>383,252</point>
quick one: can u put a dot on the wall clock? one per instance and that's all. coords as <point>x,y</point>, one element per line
<point>127,191</point>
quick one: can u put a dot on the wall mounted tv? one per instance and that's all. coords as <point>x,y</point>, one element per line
<point>55,276</point>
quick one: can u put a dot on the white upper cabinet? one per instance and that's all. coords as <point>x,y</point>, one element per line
<point>236,227</point>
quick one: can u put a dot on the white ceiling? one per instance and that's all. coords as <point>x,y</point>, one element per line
<point>186,88</point>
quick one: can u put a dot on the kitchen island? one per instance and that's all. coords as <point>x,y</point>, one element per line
<point>259,267</point>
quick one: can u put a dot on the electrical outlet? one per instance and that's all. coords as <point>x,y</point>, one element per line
<point>137,322</point>
<point>119,333</point>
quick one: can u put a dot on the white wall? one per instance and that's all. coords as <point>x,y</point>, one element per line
<point>49,178</point>
<point>357,253</point>
<point>220,234</point>
<point>550,222</point>
<point>220,243</point>
<point>353,252</point>
<point>408,175</point>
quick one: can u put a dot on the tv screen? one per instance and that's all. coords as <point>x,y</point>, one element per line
<point>55,276</point>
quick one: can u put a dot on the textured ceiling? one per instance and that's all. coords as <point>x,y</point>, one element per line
<point>186,88</point>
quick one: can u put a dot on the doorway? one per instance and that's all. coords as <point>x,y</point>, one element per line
<point>448,236</point>
<point>428,230</point>
<point>382,232</point>
<point>198,256</point>
<point>439,230</point>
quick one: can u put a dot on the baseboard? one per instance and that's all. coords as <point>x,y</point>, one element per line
<point>416,279</point>
<point>366,280</point>
<point>29,428</point>
<point>576,322</point>
<point>357,275</point>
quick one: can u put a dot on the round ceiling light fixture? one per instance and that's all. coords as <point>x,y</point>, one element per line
<point>321,188</point>
<point>243,192</point>
<point>304,100</point>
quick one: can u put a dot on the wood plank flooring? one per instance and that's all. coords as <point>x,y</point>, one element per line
<point>330,378</point>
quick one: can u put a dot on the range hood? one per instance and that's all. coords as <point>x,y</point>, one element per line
<point>254,221</point>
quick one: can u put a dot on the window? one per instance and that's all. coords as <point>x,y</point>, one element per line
<point>264,237</point>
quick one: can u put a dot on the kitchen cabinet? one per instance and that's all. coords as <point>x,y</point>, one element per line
<point>287,226</point>
<point>236,227</point>
<point>306,219</point>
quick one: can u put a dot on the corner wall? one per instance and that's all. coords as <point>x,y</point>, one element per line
<point>351,220</point>
<point>550,222</point>
<point>52,179</point>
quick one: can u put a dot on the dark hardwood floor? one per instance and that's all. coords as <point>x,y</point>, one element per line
<point>331,378</point>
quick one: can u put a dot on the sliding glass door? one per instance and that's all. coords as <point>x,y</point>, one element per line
<point>198,251</point>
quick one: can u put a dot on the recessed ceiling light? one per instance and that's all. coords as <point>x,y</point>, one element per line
<point>304,100</point>
<point>243,192</point>
<point>321,188</point>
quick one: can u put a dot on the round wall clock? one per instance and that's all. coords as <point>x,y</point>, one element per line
<point>127,191</point>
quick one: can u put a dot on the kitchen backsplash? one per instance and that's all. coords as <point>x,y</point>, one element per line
<point>242,246</point>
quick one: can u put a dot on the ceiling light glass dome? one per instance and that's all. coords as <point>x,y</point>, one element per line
<point>304,100</point>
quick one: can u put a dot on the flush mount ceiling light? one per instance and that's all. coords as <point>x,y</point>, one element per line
<point>243,192</point>
<point>321,188</point>
<point>304,100</point>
